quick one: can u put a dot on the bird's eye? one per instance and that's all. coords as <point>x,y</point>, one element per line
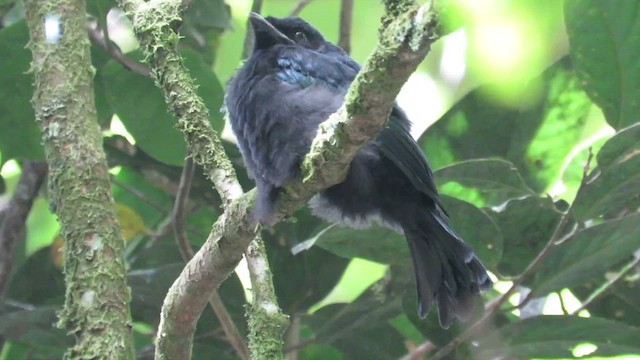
<point>300,37</point>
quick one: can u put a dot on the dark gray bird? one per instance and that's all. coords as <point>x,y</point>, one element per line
<point>293,80</point>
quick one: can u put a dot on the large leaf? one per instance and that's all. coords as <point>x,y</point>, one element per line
<point>619,303</point>
<point>37,281</point>
<point>614,185</point>
<point>304,279</point>
<point>376,243</point>
<point>477,127</point>
<point>141,107</point>
<point>360,329</point>
<point>527,225</point>
<point>19,132</point>
<point>588,255</point>
<point>557,336</point>
<point>605,43</point>
<point>495,180</point>
<point>35,327</point>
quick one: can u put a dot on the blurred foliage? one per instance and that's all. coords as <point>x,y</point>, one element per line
<point>525,88</point>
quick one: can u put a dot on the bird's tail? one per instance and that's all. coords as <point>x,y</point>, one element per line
<point>446,269</point>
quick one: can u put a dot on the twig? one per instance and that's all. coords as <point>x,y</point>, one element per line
<point>217,305</point>
<point>346,15</point>
<point>293,337</point>
<point>299,6</point>
<point>494,306</point>
<point>418,352</point>
<point>604,288</point>
<point>179,209</point>
<point>13,224</point>
<point>139,194</point>
<point>98,37</point>
<point>265,316</point>
<point>563,306</point>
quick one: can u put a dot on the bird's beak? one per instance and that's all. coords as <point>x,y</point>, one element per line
<point>266,35</point>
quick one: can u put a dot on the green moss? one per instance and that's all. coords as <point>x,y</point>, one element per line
<point>266,333</point>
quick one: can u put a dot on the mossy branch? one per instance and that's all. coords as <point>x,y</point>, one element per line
<point>405,39</point>
<point>96,309</point>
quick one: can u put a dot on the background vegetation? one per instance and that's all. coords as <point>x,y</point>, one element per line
<point>509,107</point>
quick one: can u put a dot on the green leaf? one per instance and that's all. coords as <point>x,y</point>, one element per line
<point>588,255</point>
<point>304,279</point>
<point>376,243</point>
<point>605,43</point>
<point>35,327</point>
<point>361,329</point>
<point>37,281</point>
<point>557,336</point>
<point>614,185</point>
<point>141,107</point>
<point>527,225</point>
<point>477,127</point>
<point>209,14</point>
<point>19,132</point>
<point>619,304</point>
<point>496,180</point>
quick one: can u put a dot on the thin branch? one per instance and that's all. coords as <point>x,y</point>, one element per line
<point>178,220</point>
<point>14,222</point>
<point>293,337</point>
<point>604,288</point>
<point>346,15</point>
<point>419,352</point>
<point>492,308</point>
<point>267,323</point>
<point>139,194</point>
<point>404,42</point>
<point>98,37</point>
<point>298,7</point>
<point>179,210</point>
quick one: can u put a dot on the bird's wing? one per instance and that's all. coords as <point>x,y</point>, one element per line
<point>397,144</point>
<point>305,68</point>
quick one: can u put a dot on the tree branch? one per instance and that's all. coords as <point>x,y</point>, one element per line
<point>96,309</point>
<point>346,14</point>
<point>265,316</point>
<point>98,37</point>
<point>13,224</point>
<point>299,6</point>
<point>404,42</point>
<point>216,303</point>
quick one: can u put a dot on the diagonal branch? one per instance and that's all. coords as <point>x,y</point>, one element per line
<point>404,42</point>
<point>13,224</point>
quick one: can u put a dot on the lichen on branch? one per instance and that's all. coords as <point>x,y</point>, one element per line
<point>96,309</point>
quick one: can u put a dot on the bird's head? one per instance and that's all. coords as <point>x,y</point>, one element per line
<point>271,31</point>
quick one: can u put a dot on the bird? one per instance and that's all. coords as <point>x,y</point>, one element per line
<point>292,81</point>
